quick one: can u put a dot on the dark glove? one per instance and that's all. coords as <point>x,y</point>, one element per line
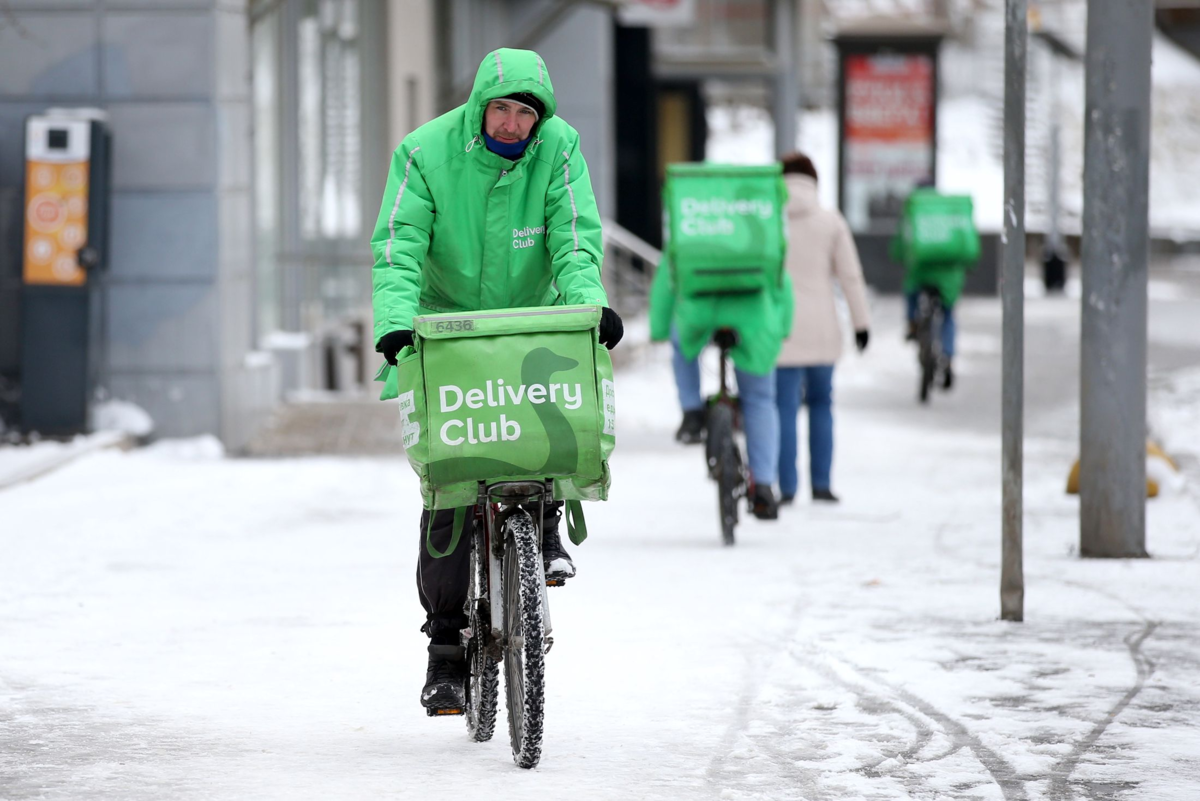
<point>392,343</point>
<point>861,338</point>
<point>611,328</point>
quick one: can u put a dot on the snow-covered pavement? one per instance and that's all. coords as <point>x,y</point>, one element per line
<point>174,624</point>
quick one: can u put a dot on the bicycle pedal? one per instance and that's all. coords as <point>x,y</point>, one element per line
<point>437,713</point>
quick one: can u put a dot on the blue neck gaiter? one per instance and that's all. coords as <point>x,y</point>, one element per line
<point>509,151</point>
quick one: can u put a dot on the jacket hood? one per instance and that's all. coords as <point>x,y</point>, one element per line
<point>802,195</point>
<point>504,72</point>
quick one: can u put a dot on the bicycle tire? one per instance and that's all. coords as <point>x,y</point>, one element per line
<point>483,681</point>
<point>926,357</point>
<point>724,463</point>
<point>524,652</point>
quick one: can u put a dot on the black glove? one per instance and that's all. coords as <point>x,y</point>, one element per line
<point>861,338</point>
<point>392,343</point>
<point>611,328</point>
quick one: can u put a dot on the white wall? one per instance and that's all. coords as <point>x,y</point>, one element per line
<point>412,80</point>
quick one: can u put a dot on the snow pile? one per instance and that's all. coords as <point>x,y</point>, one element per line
<point>123,416</point>
<point>196,449</point>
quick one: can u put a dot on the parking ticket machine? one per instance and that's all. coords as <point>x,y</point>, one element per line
<point>65,248</point>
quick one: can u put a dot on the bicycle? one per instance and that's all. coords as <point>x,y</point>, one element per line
<point>508,616</point>
<point>930,317</point>
<point>725,463</point>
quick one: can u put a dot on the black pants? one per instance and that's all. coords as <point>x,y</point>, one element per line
<point>444,567</point>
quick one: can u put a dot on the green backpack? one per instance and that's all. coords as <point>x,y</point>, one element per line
<point>939,228</point>
<point>725,227</point>
<point>506,395</point>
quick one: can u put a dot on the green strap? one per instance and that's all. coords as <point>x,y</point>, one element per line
<point>460,514</point>
<point>576,525</point>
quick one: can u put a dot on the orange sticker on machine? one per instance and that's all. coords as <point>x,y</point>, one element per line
<point>55,222</point>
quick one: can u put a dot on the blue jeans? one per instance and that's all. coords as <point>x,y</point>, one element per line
<point>760,417</point>
<point>948,327</point>
<point>814,387</point>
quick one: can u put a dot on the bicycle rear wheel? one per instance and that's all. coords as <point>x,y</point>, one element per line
<point>723,465</point>
<point>524,653</point>
<point>928,342</point>
<point>483,683</point>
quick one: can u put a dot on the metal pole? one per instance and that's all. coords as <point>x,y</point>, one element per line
<point>1055,156</point>
<point>1116,179</point>
<point>1012,281</point>
<point>787,86</point>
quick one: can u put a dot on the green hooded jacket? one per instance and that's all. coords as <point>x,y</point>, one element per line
<point>762,319</point>
<point>463,229</point>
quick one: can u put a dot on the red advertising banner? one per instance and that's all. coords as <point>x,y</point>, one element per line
<point>889,127</point>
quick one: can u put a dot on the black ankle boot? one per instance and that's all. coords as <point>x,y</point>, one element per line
<point>691,430</point>
<point>763,504</point>
<point>555,558</point>
<point>445,680</point>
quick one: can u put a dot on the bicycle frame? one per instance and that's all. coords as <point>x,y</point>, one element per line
<point>499,501</point>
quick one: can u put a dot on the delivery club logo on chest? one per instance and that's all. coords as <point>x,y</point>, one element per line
<point>497,394</point>
<point>524,237</point>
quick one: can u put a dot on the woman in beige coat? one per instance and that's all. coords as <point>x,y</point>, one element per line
<point>820,250</point>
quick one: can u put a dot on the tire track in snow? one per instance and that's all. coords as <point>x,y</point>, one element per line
<point>752,682</point>
<point>805,780</point>
<point>1001,772</point>
<point>1060,774</point>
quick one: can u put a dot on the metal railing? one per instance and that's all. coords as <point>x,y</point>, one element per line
<point>628,270</point>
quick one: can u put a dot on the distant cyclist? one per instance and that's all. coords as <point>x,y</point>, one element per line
<point>488,206</point>
<point>932,263</point>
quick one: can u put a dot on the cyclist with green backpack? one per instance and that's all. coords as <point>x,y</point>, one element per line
<point>489,206</point>
<point>938,245</point>
<point>722,269</point>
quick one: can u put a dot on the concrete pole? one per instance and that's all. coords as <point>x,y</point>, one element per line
<point>787,84</point>
<point>1012,281</point>
<point>1116,180</point>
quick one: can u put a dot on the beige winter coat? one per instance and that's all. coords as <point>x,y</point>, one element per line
<point>820,248</point>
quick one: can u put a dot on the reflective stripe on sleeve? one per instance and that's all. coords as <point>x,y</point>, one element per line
<point>396,207</point>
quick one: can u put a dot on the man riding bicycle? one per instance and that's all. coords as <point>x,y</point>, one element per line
<point>942,268</point>
<point>488,206</point>
<point>758,315</point>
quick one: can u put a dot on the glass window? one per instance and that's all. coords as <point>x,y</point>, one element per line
<point>265,53</point>
<point>329,128</point>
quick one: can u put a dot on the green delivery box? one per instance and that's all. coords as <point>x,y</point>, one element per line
<point>939,228</point>
<point>725,231</point>
<point>510,394</point>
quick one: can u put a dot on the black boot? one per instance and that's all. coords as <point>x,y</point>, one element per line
<point>555,558</point>
<point>445,691</point>
<point>824,495</point>
<point>763,504</point>
<point>691,430</point>
<point>947,374</point>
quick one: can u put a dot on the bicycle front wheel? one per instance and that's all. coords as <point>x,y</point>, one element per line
<point>524,652</point>
<point>724,465</point>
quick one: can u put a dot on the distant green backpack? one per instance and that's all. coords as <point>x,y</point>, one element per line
<point>938,228</point>
<point>506,395</point>
<point>724,227</point>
